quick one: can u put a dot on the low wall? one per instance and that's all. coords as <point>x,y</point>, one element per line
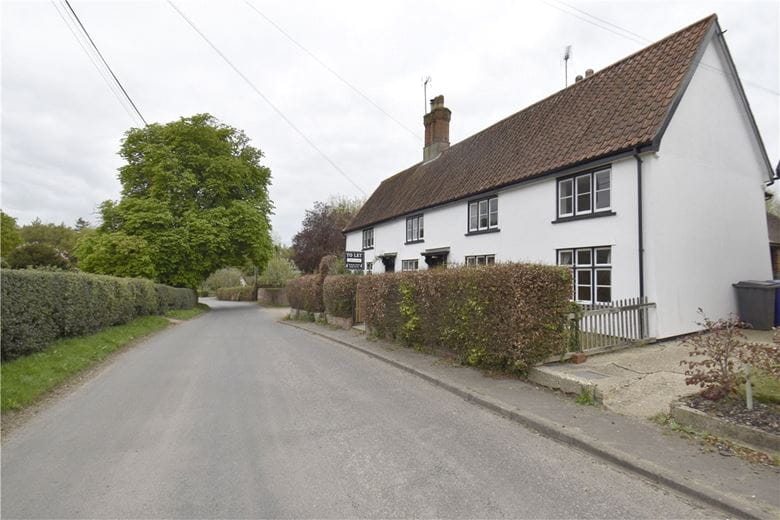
<point>344,323</point>
<point>272,296</point>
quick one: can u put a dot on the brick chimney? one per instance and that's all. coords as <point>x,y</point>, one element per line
<point>437,129</point>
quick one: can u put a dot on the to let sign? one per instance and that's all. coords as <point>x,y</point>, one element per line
<point>354,260</point>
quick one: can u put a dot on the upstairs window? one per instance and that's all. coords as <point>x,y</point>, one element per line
<point>585,194</point>
<point>368,238</point>
<point>483,214</point>
<point>414,229</point>
<point>592,272</point>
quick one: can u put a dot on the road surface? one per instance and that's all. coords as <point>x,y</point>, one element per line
<point>236,415</point>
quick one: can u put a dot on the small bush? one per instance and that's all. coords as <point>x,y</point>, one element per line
<point>508,316</point>
<point>40,306</point>
<point>338,294</point>
<point>278,272</point>
<point>237,294</point>
<point>225,277</point>
<point>718,352</point>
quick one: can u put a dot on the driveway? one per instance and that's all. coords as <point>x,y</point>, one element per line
<point>235,415</point>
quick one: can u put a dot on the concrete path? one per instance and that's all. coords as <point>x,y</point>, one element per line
<point>640,381</point>
<point>235,415</point>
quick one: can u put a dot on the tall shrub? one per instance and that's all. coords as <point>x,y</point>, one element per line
<point>41,306</point>
<point>508,316</point>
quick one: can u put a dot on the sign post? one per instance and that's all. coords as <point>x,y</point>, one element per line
<point>354,261</point>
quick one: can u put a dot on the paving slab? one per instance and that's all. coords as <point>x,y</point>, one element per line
<point>745,489</point>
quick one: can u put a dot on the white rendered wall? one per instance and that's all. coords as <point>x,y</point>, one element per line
<point>527,234</point>
<point>705,223</point>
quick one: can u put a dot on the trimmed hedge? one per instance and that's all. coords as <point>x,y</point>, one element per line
<point>41,306</point>
<point>507,316</point>
<point>246,293</point>
<point>305,293</point>
<point>338,294</point>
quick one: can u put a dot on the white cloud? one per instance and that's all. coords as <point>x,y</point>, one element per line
<point>61,126</point>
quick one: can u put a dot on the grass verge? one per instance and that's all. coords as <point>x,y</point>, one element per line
<point>187,314</point>
<point>27,379</point>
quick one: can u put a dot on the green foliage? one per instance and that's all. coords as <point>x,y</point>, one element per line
<point>508,316</point>
<point>40,306</point>
<point>278,271</point>
<point>36,255</point>
<point>194,199</point>
<point>188,314</point>
<point>246,293</point>
<point>586,397</point>
<point>28,378</point>
<point>9,234</point>
<point>59,236</point>
<point>338,294</point>
<point>116,254</point>
<point>225,277</point>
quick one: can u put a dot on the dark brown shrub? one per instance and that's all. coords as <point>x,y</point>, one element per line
<point>338,294</point>
<point>305,293</point>
<point>508,316</point>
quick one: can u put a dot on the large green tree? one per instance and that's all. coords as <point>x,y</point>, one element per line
<point>9,234</point>
<point>194,199</point>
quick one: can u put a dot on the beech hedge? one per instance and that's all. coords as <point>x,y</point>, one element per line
<point>338,294</point>
<point>305,293</point>
<point>508,316</point>
<point>237,294</point>
<point>41,306</point>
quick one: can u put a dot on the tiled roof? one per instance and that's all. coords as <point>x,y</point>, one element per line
<point>621,107</point>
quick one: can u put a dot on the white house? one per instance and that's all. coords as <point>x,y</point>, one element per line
<point>646,177</point>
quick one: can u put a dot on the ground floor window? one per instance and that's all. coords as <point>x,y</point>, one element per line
<point>409,265</point>
<point>369,267</point>
<point>592,272</point>
<point>481,260</point>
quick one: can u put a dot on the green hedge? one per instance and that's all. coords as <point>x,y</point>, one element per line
<point>41,306</point>
<point>246,293</point>
<point>338,294</point>
<point>508,316</point>
<point>305,293</point>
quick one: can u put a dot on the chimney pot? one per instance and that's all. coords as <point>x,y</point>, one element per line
<point>589,73</point>
<point>437,129</point>
<point>578,78</point>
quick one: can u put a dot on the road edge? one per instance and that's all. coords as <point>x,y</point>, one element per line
<point>700,491</point>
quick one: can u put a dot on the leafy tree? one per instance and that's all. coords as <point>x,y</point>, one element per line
<point>36,254</point>
<point>278,271</point>
<point>82,224</point>
<point>225,277</point>
<point>9,234</point>
<point>322,232</point>
<point>59,236</point>
<point>194,199</point>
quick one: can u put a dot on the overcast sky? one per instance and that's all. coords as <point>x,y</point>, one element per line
<point>61,124</point>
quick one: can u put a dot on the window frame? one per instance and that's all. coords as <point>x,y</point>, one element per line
<point>576,192</point>
<point>473,260</point>
<point>405,263</point>
<point>477,205</point>
<point>415,223</point>
<point>593,267</point>
<point>368,233</point>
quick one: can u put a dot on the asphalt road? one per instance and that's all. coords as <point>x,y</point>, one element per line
<point>235,415</point>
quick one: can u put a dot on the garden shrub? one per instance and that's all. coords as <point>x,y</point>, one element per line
<point>338,294</point>
<point>508,316</point>
<point>237,294</point>
<point>41,306</point>
<point>305,293</point>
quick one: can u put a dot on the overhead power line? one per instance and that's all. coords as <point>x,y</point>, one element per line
<point>103,60</point>
<point>621,31</point>
<point>333,72</point>
<point>79,37</point>
<point>266,99</point>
